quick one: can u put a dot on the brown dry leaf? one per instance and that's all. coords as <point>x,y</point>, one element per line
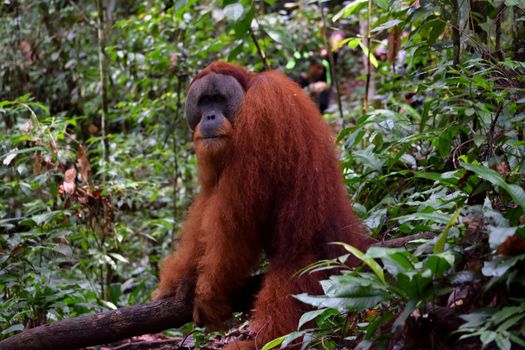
<point>173,60</point>
<point>27,51</point>
<point>18,250</point>
<point>53,146</point>
<point>502,168</point>
<point>393,43</point>
<point>513,246</point>
<point>458,296</point>
<point>372,313</point>
<point>70,181</point>
<point>37,165</point>
<point>83,164</point>
<point>93,129</point>
<point>474,231</point>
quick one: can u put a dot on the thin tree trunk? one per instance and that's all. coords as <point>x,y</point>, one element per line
<point>518,40</point>
<point>263,56</point>
<point>103,80</point>
<point>105,278</point>
<point>456,40</point>
<point>499,19</point>
<point>331,60</point>
<point>368,66</point>
<point>262,7</point>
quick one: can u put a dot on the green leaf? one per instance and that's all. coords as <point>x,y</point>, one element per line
<point>503,342</point>
<point>236,52</point>
<point>6,103</point>
<point>349,9</point>
<point>13,329</point>
<point>440,243</point>
<point>395,260</point>
<point>291,337</point>
<point>380,320</point>
<point>34,118</point>
<point>516,192</point>
<point>500,265</point>
<point>119,257</point>
<point>352,298</point>
<point>242,26</point>
<point>517,340</point>
<point>376,219</point>
<point>311,315</point>
<point>428,175</point>
<point>180,7</point>
<point>368,158</point>
<point>509,313</point>
<point>384,4</point>
<point>374,266</point>
<point>44,218</point>
<point>233,11</point>
<point>444,141</point>
<point>337,284</point>
<point>373,59</point>
<point>40,105</point>
<point>279,36</point>
<point>386,25</point>
<point>439,264</point>
<point>437,28</point>
<point>400,320</point>
<point>353,43</point>
<point>273,343</point>
<point>437,217</point>
<point>64,249</point>
<point>487,336</point>
<point>109,305</point>
<point>517,3</point>
<point>475,319</point>
<point>498,234</point>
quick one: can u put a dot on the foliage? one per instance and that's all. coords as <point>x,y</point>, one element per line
<point>443,152</point>
<point>440,148</point>
<point>493,325</point>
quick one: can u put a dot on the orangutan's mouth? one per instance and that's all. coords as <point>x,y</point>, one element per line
<point>214,137</point>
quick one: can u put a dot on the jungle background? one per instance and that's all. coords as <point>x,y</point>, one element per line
<point>428,105</point>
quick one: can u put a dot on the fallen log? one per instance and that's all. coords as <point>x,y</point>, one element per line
<point>153,317</point>
<point>401,241</point>
<point>104,327</point>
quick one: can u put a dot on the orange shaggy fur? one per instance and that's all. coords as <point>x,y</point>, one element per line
<point>272,185</point>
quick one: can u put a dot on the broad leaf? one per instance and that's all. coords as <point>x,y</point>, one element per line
<point>516,192</point>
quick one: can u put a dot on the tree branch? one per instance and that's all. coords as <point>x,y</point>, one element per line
<point>103,80</point>
<point>368,68</point>
<point>456,39</point>
<point>331,60</point>
<point>263,56</point>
